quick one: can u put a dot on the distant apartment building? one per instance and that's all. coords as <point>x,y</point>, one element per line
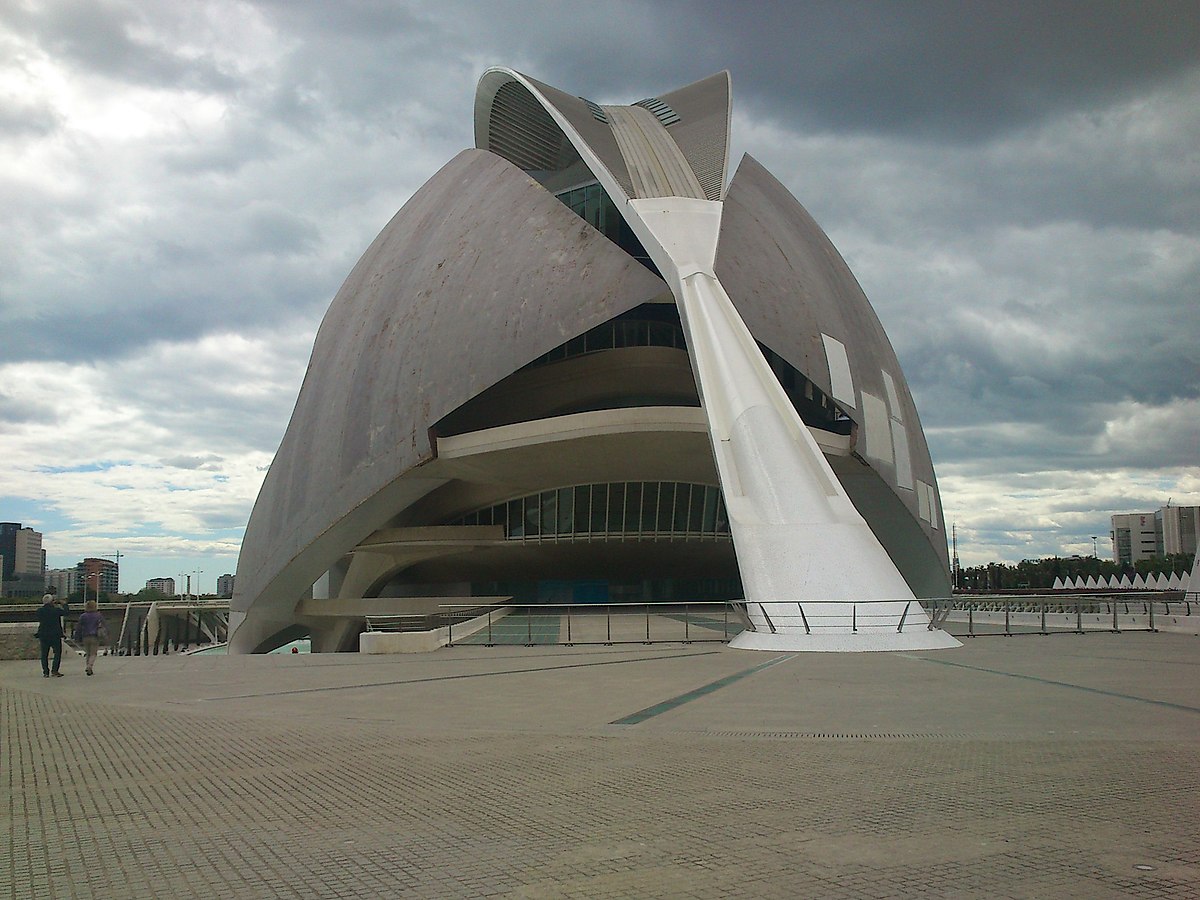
<point>224,585</point>
<point>1177,524</point>
<point>23,563</point>
<point>95,570</point>
<point>1134,537</point>
<point>165,586</point>
<point>64,581</point>
<point>1137,536</point>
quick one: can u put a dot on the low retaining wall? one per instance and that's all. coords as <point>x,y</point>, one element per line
<point>424,641</point>
<point>17,641</point>
<point>1178,624</point>
<point>1090,621</point>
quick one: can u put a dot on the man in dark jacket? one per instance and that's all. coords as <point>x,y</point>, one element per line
<point>50,632</point>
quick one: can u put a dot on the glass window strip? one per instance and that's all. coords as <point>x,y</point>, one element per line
<point>631,510</point>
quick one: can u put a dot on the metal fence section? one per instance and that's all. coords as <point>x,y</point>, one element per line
<point>568,624</point>
<point>157,628</point>
<point>1008,615</point>
<point>814,615</point>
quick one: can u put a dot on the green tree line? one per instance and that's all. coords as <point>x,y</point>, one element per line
<point>1041,573</point>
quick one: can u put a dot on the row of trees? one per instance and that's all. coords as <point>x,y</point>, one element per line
<point>1041,573</point>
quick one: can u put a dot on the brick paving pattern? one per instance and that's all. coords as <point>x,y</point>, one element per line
<point>1030,767</point>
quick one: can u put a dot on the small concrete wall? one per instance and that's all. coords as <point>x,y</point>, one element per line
<point>424,641</point>
<point>1090,621</point>
<point>1178,624</point>
<point>17,641</point>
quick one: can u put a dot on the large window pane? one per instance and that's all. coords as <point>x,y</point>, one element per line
<point>710,510</point>
<point>633,506</point>
<point>666,507</point>
<point>591,210</point>
<point>681,507</point>
<point>649,505</point>
<point>582,509</point>
<point>599,509</point>
<point>722,518</point>
<point>696,510</point>
<point>566,510</point>
<point>616,508</point>
<point>516,518</point>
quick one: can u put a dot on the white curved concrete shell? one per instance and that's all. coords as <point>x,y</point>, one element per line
<point>467,363</point>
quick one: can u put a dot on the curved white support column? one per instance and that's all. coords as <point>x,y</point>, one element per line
<point>814,575</point>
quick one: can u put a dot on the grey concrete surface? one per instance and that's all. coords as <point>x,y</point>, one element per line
<point>1032,766</point>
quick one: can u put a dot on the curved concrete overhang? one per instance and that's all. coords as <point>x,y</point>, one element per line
<point>705,110</point>
<point>572,116</point>
<point>792,288</point>
<point>478,469</point>
<point>430,295</point>
<point>606,138</point>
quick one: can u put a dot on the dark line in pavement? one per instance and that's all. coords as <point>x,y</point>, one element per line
<point>1066,684</point>
<point>659,708</point>
<point>350,687</point>
<point>1156,660</point>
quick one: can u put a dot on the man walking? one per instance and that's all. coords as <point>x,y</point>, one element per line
<point>50,632</point>
<point>90,631</point>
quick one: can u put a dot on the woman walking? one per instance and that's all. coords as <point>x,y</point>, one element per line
<point>90,629</point>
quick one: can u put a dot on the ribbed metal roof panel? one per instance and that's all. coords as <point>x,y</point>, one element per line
<point>702,131</point>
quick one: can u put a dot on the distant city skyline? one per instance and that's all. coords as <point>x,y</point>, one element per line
<point>187,185</point>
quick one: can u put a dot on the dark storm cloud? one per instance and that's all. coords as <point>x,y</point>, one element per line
<point>945,70</point>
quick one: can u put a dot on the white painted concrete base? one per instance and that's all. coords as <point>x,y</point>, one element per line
<point>842,627</point>
<point>386,642</point>
<point>920,638</point>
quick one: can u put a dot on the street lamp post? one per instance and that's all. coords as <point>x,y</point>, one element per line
<point>199,572</point>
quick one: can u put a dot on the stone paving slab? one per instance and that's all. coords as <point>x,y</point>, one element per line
<point>1033,766</point>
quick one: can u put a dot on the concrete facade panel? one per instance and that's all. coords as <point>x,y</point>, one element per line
<point>790,285</point>
<point>480,273</point>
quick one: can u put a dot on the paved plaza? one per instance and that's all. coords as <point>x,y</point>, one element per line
<point>1032,766</point>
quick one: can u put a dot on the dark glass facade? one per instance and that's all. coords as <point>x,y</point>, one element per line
<point>592,204</point>
<point>623,510</point>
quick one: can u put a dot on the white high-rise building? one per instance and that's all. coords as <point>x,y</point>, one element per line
<point>64,581</point>
<point>1169,530</point>
<point>1134,537</point>
<point>1177,524</point>
<point>165,586</point>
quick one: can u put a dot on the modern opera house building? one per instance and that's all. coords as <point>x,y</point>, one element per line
<point>581,364</point>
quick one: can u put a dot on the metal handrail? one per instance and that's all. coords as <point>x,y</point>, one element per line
<point>688,618</point>
<point>1106,607</point>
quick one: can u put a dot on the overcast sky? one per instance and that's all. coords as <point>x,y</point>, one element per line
<point>184,186</point>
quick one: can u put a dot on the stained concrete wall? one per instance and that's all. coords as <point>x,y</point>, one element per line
<point>17,641</point>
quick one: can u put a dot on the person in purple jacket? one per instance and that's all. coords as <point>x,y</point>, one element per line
<point>90,629</point>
